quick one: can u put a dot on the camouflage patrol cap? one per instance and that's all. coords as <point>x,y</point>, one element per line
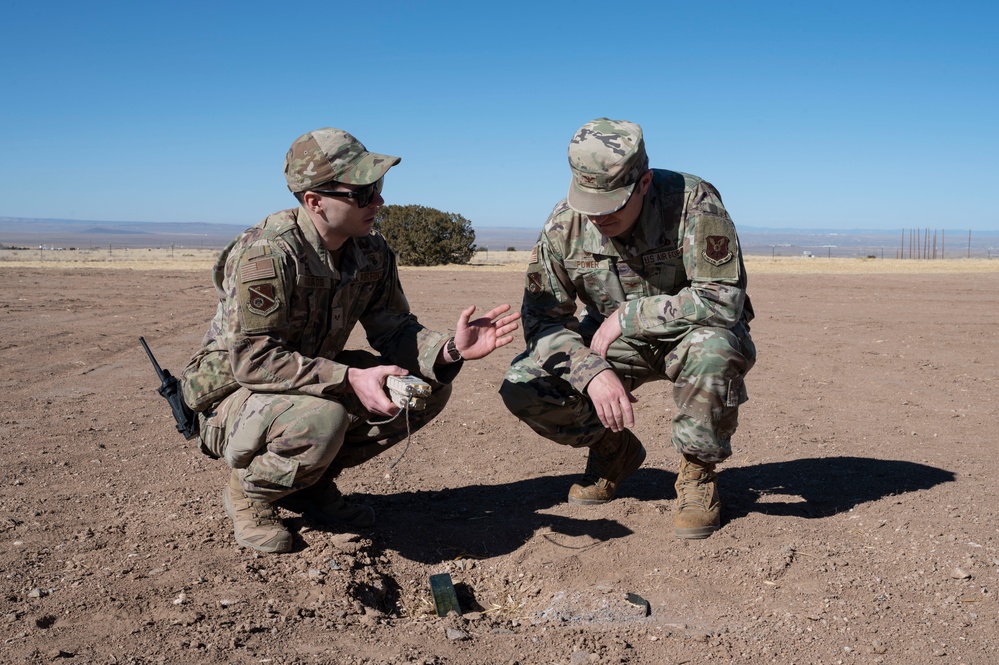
<point>607,157</point>
<point>328,154</point>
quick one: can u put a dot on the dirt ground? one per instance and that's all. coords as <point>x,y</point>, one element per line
<point>859,521</point>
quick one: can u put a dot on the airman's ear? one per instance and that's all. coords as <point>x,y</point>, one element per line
<point>311,201</point>
<point>644,182</point>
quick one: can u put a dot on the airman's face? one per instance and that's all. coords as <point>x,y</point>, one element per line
<point>621,221</point>
<point>339,218</point>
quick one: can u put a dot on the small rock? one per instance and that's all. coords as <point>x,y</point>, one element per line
<point>960,574</point>
<point>456,635</point>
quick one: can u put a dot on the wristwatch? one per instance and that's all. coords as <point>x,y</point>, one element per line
<point>452,351</point>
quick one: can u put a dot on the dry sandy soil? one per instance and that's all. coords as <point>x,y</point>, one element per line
<point>859,508</point>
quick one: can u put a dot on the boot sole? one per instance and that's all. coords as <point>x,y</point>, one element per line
<point>632,468</point>
<point>696,533</point>
<point>588,502</point>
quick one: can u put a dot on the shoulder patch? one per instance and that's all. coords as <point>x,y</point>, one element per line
<point>260,292</point>
<point>716,250</point>
<point>257,269</point>
<point>262,299</point>
<point>534,286</point>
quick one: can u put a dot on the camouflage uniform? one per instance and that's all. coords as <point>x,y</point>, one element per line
<point>271,377</point>
<point>685,317</point>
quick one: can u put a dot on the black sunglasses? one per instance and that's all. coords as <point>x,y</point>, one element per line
<point>363,196</point>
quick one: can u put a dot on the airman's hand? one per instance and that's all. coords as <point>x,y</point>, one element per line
<point>606,334</point>
<point>477,339</point>
<point>369,386</point>
<point>611,401</point>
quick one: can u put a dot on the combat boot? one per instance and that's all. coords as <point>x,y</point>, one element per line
<point>324,503</point>
<point>698,512</point>
<point>256,523</point>
<point>612,459</point>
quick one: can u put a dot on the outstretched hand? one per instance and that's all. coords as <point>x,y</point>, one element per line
<point>477,339</point>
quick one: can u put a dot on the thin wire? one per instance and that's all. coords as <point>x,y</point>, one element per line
<point>409,434</point>
<point>409,437</point>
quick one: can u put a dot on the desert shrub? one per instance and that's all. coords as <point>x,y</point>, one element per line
<point>422,236</point>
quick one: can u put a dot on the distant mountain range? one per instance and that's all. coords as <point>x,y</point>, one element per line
<point>65,233</point>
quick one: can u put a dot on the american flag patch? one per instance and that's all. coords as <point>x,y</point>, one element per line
<point>259,269</point>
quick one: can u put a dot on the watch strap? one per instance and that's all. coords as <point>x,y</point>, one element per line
<point>452,351</point>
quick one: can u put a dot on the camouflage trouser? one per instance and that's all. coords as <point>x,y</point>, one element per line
<point>282,442</point>
<point>707,367</point>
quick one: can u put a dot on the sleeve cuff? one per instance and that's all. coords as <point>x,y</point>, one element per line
<point>585,369</point>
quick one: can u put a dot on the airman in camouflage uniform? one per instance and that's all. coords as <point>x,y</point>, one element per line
<point>280,399</point>
<point>654,259</point>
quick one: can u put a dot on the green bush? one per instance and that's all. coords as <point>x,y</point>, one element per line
<point>422,236</point>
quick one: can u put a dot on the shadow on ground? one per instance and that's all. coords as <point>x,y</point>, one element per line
<point>483,521</point>
<point>820,487</point>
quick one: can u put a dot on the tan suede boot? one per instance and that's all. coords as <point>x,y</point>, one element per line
<point>612,459</point>
<point>255,521</point>
<point>324,503</point>
<point>698,512</point>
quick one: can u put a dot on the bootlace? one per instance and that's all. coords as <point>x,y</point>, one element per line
<point>695,489</point>
<point>263,512</point>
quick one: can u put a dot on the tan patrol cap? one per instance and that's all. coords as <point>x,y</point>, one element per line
<point>329,154</point>
<point>607,157</point>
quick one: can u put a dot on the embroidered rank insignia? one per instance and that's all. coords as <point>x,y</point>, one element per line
<point>261,299</point>
<point>716,251</point>
<point>254,270</point>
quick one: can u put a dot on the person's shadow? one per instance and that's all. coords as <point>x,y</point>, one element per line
<point>484,521</point>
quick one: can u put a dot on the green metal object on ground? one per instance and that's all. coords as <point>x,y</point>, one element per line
<point>445,598</point>
<point>635,599</point>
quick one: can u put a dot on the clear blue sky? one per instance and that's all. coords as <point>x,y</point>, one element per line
<point>847,114</point>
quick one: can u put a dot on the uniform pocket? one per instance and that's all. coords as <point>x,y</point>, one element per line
<point>212,436</point>
<point>603,287</point>
<point>272,469</point>
<point>250,425</point>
